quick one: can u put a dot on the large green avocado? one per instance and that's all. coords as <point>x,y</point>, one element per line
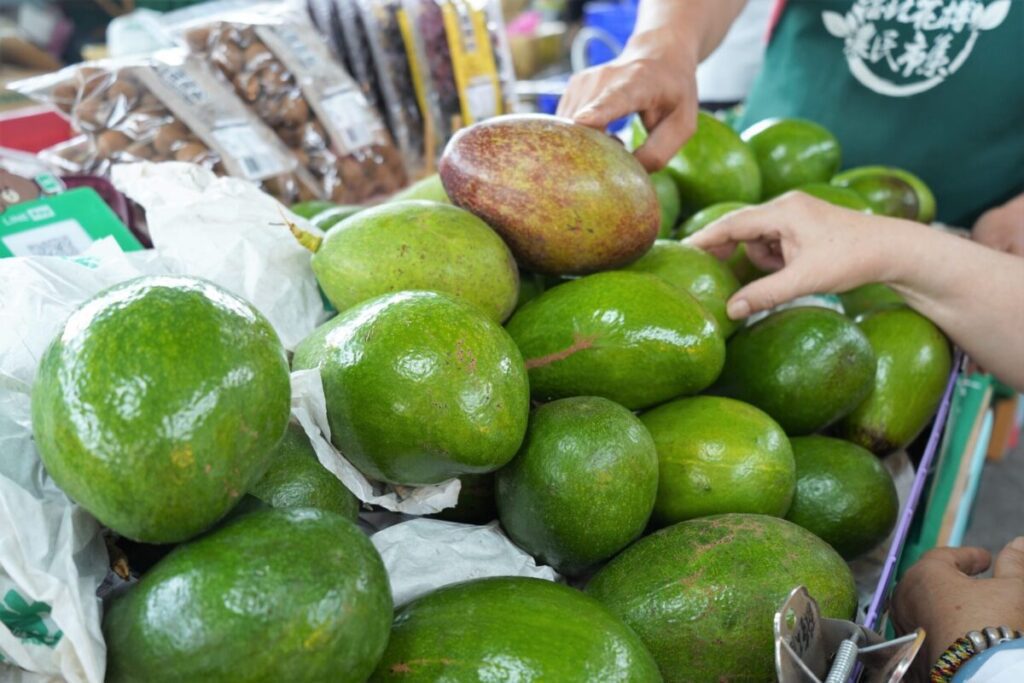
<point>719,455</point>
<point>702,594</point>
<point>869,297</point>
<point>668,202</point>
<point>806,367</point>
<point>582,486</point>
<point>890,191</point>
<point>429,188</point>
<point>914,362</point>
<point>696,272</point>
<point>713,166</point>
<point>844,495</point>
<point>629,337</point>
<point>738,263</point>
<point>296,479</point>
<point>310,208</point>
<point>277,595</point>
<point>512,629</point>
<point>419,387</point>
<point>143,407</point>
<point>791,153</point>
<point>839,196</point>
<point>417,245</point>
<point>567,199</point>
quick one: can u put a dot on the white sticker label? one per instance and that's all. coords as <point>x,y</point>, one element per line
<point>257,158</point>
<point>351,116</point>
<point>63,238</point>
<point>481,98</point>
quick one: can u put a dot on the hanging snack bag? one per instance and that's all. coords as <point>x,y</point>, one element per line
<point>287,75</point>
<point>164,107</point>
<point>379,21</point>
<point>350,36</point>
<point>455,48</point>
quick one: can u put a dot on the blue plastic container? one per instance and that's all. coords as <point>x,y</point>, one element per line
<point>617,19</point>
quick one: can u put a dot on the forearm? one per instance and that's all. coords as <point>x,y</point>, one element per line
<point>975,294</point>
<point>693,27</point>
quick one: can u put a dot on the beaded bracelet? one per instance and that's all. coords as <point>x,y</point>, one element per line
<point>951,660</point>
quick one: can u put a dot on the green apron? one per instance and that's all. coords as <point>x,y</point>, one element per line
<point>932,86</point>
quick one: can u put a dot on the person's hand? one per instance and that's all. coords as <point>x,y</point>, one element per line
<point>1002,228</point>
<point>656,79</point>
<point>940,595</point>
<point>816,247</point>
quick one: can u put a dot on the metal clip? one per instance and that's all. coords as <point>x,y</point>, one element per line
<point>813,649</point>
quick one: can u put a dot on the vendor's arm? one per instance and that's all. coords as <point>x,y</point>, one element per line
<point>655,75</point>
<point>971,292</point>
<point>1002,227</point>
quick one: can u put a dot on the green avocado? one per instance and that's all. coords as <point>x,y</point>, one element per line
<point>702,594</point>
<point>738,263</point>
<point>476,503</point>
<point>696,272</point>
<point>419,387</point>
<point>143,410</point>
<point>668,200</point>
<point>309,209</point>
<point>429,188</point>
<point>839,196</point>
<point>914,362</point>
<point>629,337</point>
<point>806,367</point>
<point>844,495</point>
<point>325,220</point>
<point>417,245</point>
<point>277,595</point>
<point>713,166</point>
<point>296,479</point>
<point>582,486</point>
<point>791,153</point>
<point>531,285</point>
<point>869,297</point>
<point>719,455</point>
<point>512,629</point>
<point>890,191</point>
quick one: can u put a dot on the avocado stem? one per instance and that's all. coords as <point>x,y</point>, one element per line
<point>304,237</point>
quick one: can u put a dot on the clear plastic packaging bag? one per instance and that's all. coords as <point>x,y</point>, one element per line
<point>164,107</point>
<point>283,71</point>
<point>381,22</point>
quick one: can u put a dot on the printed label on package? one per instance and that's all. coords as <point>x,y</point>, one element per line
<point>351,116</point>
<point>256,157</point>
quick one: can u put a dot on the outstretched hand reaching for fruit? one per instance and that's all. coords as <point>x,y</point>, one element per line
<point>970,291</point>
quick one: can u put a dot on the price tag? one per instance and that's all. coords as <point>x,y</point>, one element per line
<point>350,115</point>
<point>256,157</point>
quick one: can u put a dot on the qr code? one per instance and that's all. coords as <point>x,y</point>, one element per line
<point>55,246</point>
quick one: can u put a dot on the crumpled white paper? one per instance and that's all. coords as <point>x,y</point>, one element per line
<point>423,555</point>
<point>227,230</point>
<point>309,408</point>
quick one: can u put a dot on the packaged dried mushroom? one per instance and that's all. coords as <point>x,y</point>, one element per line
<point>285,73</point>
<point>163,108</point>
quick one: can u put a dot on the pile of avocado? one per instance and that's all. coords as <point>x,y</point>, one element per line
<point>527,322</point>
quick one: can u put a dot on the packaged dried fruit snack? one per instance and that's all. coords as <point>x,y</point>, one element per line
<point>164,107</point>
<point>457,49</point>
<point>285,73</point>
<point>381,25</point>
<point>350,36</point>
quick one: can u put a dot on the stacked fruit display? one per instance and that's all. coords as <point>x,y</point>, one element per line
<point>689,471</point>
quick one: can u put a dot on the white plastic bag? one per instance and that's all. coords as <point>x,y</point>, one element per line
<point>423,555</point>
<point>228,231</point>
